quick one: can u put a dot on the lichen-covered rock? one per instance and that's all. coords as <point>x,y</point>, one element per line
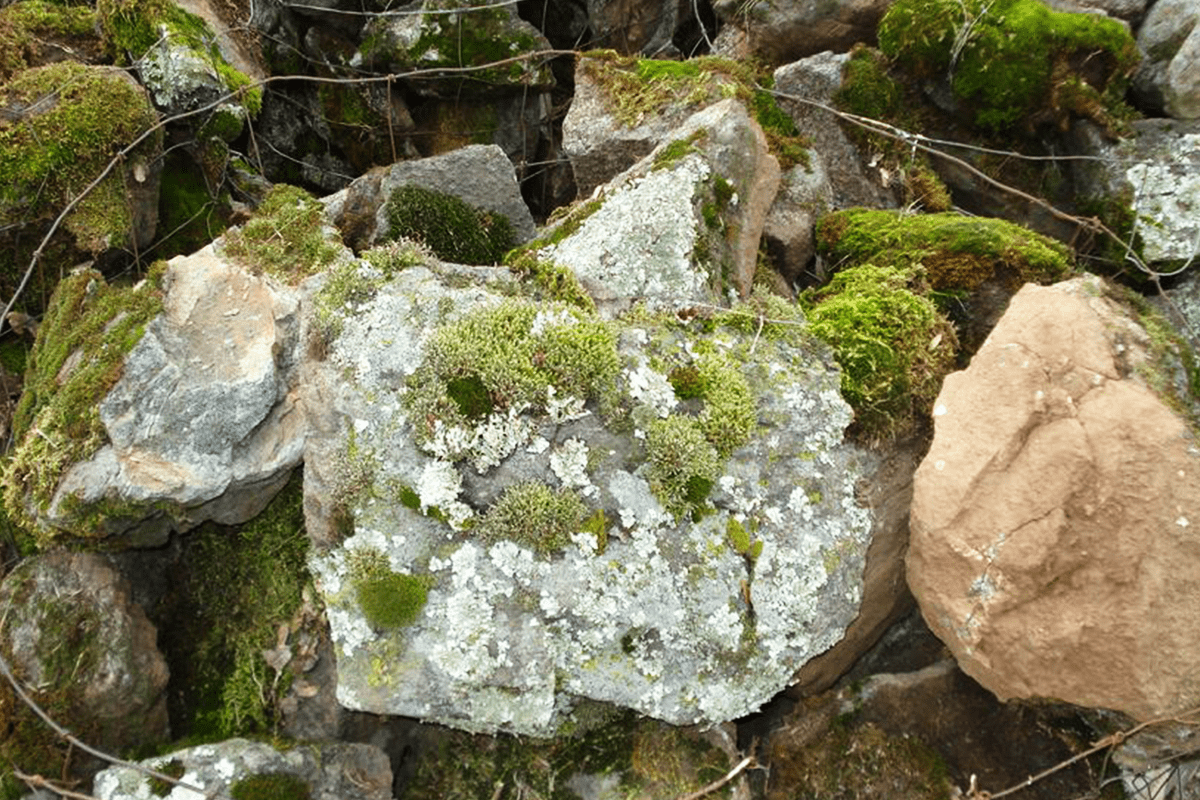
<point>1142,186</point>
<point>682,225</point>
<point>1051,520</point>
<point>189,414</point>
<point>87,654</point>
<point>520,506</point>
<point>1169,76</point>
<point>805,194</point>
<point>241,768</point>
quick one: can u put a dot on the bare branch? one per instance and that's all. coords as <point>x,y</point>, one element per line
<point>717,784</point>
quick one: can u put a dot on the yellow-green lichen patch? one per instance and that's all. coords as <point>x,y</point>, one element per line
<point>233,591</point>
<point>352,283</point>
<point>1009,58</point>
<point>287,237</point>
<point>957,252</point>
<point>30,28</point>
<point>86,333</point>
<point>454,230</point>
<point>271,786</point>
<point>132,27</point>
<point>76,119</point>
<point>535,516</point>
<point>892,344</point>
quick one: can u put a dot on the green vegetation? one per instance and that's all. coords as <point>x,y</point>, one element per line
<point>57,422</point>
<point>286,238</point>
<point>28,26</point>
<point>499,349</point>
<point>160,787</point>
<point>957,252</point>
<point>547,280</point>
<point>90,114</point>
<point>189,217</point>
<point>271,786</point>
<point>131,27</point>
<point>728,419</point>
<point>1012,59</point>
<point>535,516</point>
<point>351,283</point>
<point>448,226</point>
<point>681,464</point>
<point>238,587</point>
<point>390,599</point>
<point>892,344</point>
<point>1171,370</point>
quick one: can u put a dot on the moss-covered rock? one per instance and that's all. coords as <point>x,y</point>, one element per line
<point>447,225</point>
<point>287,237</point>
<point>1014,62</point>
<point>34,32</point>
<point>958,253</point>
<point>73,120</point>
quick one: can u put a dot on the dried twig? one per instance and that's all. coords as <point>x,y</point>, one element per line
<point>717,784</point>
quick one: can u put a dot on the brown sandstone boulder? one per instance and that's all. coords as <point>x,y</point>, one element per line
<point>1053,520</point>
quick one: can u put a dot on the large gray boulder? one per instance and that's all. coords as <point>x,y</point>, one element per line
<point>326,771</point>
<point>519,506</point>
<point>1169,76</point>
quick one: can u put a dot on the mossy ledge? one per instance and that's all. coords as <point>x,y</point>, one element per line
<point>287,237</point>
<point>86,333</point>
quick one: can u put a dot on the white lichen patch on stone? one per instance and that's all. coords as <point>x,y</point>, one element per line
<point>1166,195</point>
<point>651,387</point>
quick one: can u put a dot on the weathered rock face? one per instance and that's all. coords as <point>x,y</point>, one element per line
<point>1148,175</point>
<point>1051,521</point>
<point>805,193</point>
<point>1169,75</point>
<point>329,771</point>
<point>778,33</point>
<point>653,569</point>
<point>682,225</point>
<point>72,634</point>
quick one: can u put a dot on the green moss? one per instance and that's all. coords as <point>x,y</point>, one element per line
<point>597,525</point>
<point>189,217</point>
<point>448,226</point>
<point>131,27</point>
<point>677,149</point>
<point>739,537</point>
<point>391,600</point>
<point>892,344</point>
<point>681,464</point>
<point>90,113</point>
<point>160,787</point>
<point>1005,57</point>
<point>687,382</point>
<point>574,352</point>
<point>548,280</point>
<point>239,586</point>
<point>728,419</point>
<point>28,26</point>
<point>56,423</point>
<point>271,786</point>
<point>286,237</point>
<point>350,284</point>
<point>535,516</point>
<point>1172,370</point>
<point>957,252</point>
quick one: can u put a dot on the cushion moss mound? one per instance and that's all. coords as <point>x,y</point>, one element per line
<point>286,237</point>
<point>957,252</point>
<point>892,344</point>
<point>1010,58</point>
<point>448,226</point>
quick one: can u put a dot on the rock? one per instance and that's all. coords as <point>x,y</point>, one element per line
<point>1145,178</point>
<point>777,34</point>
<point>540,553</point>
<point>479,175</point>
<point>33,35</point>
<point>198,426</point>
<point>87,654</point>
<point>1050,522</point>
<point>633,27</point>
<point>326,771</point>
<point>805,194</point>
<point>1130,11</point>
<point>683,225</point>
<point>818,78</point>
<point>1169,39</point>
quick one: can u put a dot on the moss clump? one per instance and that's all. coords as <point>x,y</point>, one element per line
<point>1006,57</point>
<point>448,226</point>
<point>892,344</point>
<point>548,280</point>
<point>234,590</point>
<point>728,419</point>
<point>160,787</point>
<point>29,28</point>
<point>89,114</point>
<point>351,283</point>
<point>957,252</point>
<point>132,27</point>
<point>516,351</point>
<point>391,600</point>
<point>536,516</point>
<point>681,464</point>
<point>676,150</point>
<point>271,786</point>
<point>287,237</point>
<point>57,422</point>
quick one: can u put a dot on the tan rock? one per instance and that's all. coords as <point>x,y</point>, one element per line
<point>1053,543</point>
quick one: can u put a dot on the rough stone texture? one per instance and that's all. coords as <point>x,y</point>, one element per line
<point>1169,76</point>
<point>480,175</point>
<point>598,145</point>
<point>817,78</point>
<point>1052,546</point>
<point>70,629</point>
<point>780,32</point>
<point>204,417</point>
<point>333,771</point>
<point>636,26</point>
<point>1128,10</point>
<point>805,194</point>
<point>641,242</point>
<point>1154,173</point>
<point>660,620</point>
